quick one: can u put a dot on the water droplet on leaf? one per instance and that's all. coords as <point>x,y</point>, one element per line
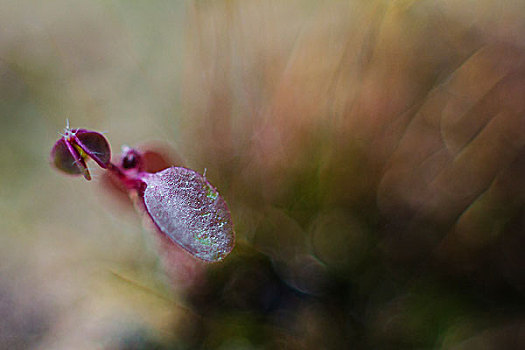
<point>179,202</point>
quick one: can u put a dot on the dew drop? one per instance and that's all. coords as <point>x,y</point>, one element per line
<point>189,210</point>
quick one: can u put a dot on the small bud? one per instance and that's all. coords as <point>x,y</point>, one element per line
<point>70,153</point>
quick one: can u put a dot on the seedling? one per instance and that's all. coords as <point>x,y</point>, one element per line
<point>182,203</point>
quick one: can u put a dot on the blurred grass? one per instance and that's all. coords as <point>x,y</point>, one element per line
<point>371,153</point>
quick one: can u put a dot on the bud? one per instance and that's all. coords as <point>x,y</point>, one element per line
<point>75,147</point>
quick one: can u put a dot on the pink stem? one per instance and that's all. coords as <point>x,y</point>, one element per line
<point>132,183</point>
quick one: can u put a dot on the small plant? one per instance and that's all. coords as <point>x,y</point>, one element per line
<point>182,203</point>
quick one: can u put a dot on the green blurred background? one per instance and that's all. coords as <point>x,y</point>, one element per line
<point>371,152</point>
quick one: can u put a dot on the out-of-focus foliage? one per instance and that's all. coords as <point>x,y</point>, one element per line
<point>371,153</point>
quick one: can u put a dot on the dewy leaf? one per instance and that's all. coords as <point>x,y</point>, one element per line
<point>189,210</point>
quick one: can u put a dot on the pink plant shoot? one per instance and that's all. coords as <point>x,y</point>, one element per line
<point>182,203</point>
<point>69,154</point>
